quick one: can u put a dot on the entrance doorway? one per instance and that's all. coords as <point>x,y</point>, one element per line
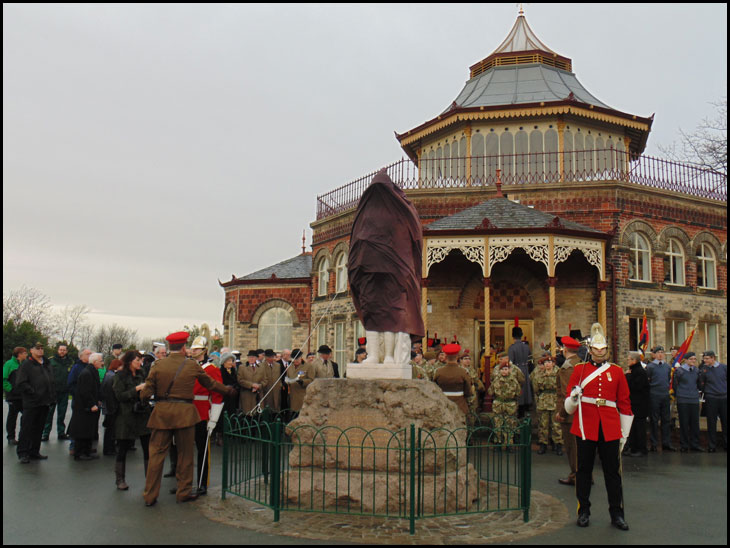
<point>500,333</point>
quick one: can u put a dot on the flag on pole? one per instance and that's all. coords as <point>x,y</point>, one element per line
<point>644,337</point>
<point>683,349</point>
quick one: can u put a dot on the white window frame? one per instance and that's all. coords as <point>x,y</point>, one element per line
<point>707,329</point>
<point>676,332</point>
<point>280,341</point>
<point>645,273</point>
<point>705,258</point>
<point>341,273</point>
<point>675,253</point>
<point>323,273</point>
<point>339,350</point>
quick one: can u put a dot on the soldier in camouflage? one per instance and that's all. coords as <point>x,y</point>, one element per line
<point>544,383</point>
<point>506,389</point>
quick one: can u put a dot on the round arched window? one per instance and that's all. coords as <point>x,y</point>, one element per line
<point>341,272</point>
<point>674,264</point>
<point>275,329</point>
<point>324,277</point>
<point>640,260</point>
<point>706,277</point>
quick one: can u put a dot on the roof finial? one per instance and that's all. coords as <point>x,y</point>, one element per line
<point>522,11</point>
<point>499,184</point>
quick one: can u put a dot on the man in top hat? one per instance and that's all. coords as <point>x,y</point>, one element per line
<point>454,380</point>
<point>326,368</point>
<point>599,395</point>
<point>171,381</point>
<point>205,401</point>
<point>570,351</point>
<point>519,354</point>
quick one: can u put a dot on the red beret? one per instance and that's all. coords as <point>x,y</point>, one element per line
<point>178,338</point>
<point>570,342</point>
<point>451,349</point>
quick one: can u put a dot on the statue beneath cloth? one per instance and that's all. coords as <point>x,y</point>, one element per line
<point>384,270</point>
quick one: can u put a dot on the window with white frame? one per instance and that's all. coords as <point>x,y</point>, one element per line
<point>323,273</point>
<point>674,263</point>
<point>640,259</point>
<point>635,333</point>
<point>340,350</point>
<point>322,333</point>
<point>275,329</point>
<point>676,332</point>
<point>710,338</point>
<point>341,272</point>
<point>706,272</point>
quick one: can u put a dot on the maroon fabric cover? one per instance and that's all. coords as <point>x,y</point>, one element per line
<point>384,264</point>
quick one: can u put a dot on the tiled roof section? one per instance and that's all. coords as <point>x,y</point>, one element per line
<point>296,267</point>
<point>521,84</point>
<point>501,213</point>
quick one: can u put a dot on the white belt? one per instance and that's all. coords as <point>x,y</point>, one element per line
<point>454,394</point>
<point>201,398</point>
<point>600,402</point>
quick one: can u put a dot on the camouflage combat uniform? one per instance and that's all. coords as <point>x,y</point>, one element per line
<point>544,384</point>
<point>506,391</point>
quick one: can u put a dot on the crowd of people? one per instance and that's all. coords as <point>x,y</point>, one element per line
<point>507,385</point>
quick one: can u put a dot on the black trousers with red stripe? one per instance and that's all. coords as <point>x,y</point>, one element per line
<point>609,452</point>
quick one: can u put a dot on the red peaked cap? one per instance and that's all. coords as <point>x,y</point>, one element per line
<point>570,342</point>
<point>451,349</point>
<point>178,338</point>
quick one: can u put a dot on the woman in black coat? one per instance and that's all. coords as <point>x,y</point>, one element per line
<point>84,425</point>
<point>639,393</point>
<point>132,416</point>
<point>229,375</point>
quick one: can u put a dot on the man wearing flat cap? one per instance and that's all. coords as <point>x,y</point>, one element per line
<point>171,382</point>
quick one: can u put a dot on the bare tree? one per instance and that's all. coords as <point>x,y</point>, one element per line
<point>28,304</point>
<point>70,321</point>
<point>106,336</point>
<point>706,147</point>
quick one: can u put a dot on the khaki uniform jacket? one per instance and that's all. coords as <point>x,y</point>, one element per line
<point>564,374</point>
<point>172,415</point>
<point>298,389</point>
<point>516,370</point>
<point>453,378</point>
<point>273,372</point>
<point>247,376</point>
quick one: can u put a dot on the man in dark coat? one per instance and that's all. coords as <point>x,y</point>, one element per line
<point>519,354</point>
<point>61,365</point>
<point>384,270</point>
<point>34,381</point>
<point>640,404</point>
<point>86,407</point>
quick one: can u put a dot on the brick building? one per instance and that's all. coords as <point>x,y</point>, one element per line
<point>537,203</point>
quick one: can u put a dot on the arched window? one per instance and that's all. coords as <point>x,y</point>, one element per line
<point>324,277</point>
<point>477,158</point>
<point>275,329</point>
<point>231,328</point>
<point>492,146</point>
<point>552,166</point>
<point>341,272</point>
<point>674,263</point>
<point>568,154</point>
<point>506,150</point>
<point>640,259</point>
<point>522,157</point>
<point>706,272</point>
<point>537,158</point>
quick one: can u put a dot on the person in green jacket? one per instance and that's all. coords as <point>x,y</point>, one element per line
<point>15,401</point>
<point>61,365</point>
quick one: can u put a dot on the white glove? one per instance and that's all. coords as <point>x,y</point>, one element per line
<point>626,421</point>
<point>215,413</point>
<point>571,402</point>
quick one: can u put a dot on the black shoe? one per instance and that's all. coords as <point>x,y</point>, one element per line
<point>25,459</point>
<point>170,474</point>
<point>583,520</point>
<point>12,441</point>
<point>150,503</point>
<point>38,456</point>
<point>653,449</point>
<point>637,454</point>
<point>45,438</point>
<point>64,437</point>
<point>669,448</point>
<point>619,523</point>
<point>173,490</point>
<point>189,498</point>
<point>559,450</point>
<point>697,449</point>
<point>683,450</point>
<point>712,450</point>
<point>202,491</point>
<point>83,457</point>
<point>542,449</point>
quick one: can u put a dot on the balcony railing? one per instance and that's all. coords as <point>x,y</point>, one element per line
<point>524,169</point>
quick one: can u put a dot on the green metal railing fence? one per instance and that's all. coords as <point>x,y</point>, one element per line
<point>409,474</point>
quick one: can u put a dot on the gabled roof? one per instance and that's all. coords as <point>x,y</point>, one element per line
<point>297,269</point>
<point>503,214</point>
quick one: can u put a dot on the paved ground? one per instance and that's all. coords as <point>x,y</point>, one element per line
<point>670,498</point>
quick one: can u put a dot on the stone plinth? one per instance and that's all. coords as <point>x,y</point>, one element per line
<point>351,447</point>
<point>374,371</point>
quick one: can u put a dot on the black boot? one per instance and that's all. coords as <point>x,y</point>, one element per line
<point>559,449</point>
<point>120,470</point>
<point>542,449</point>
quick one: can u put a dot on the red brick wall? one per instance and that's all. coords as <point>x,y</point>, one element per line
<point>250,298</point>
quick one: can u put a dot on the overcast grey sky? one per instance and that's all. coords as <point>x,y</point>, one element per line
<point>150,150</point>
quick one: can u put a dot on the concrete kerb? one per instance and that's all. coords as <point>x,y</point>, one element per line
<point>547,514</point>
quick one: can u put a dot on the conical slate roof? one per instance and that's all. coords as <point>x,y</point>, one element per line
<point>501,213</point>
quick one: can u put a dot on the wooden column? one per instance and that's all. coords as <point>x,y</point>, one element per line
<point>424,307</point>
<point>487,315</point>
<point>602,315</point>
<point>552,282</point>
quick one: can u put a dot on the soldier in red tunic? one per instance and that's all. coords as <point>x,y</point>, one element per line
<point>599,396</point>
